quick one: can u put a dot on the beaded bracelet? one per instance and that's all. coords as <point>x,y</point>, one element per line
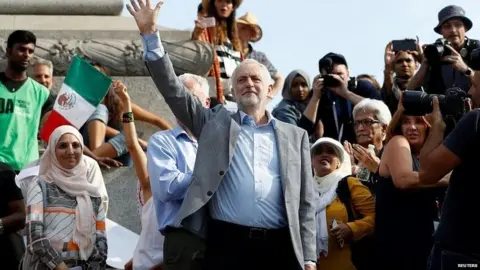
<point>127,117</point>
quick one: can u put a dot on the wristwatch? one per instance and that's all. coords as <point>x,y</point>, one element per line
<point>468,72</point>
<point>1,227</point>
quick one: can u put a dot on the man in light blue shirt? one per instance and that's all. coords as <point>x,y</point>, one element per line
<point>251,193</point>
<point>170,161</point>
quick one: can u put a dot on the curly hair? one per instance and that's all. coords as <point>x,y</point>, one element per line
<point>228,25</point>
<point>111,100</point>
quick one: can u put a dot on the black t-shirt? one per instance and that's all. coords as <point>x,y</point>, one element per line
<point>9,192</point>
<point>458,229</point>
<point>48,106</point>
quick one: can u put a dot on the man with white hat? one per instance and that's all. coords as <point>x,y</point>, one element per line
<point>250,32</point>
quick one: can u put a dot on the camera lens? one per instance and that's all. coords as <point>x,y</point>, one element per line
<point>417,103</point>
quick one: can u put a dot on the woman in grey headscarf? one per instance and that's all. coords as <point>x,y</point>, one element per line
<point>296,94</point>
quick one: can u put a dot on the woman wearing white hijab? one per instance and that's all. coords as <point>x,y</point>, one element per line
<point>65,223</point>
<point>332,165</point>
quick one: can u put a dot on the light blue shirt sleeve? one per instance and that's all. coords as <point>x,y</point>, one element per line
<point>167,181</point>
<point>152,47</point>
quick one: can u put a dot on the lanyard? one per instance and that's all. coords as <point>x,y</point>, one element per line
<point>335,117</point>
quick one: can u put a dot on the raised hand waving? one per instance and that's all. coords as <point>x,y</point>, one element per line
<point>144,15</point>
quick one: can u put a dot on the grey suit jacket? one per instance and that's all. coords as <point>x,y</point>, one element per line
<point>217,131</point>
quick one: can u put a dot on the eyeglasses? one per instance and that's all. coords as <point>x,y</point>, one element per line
<point>365,122</point>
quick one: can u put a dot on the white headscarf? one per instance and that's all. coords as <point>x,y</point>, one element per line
<point>75,183</point>
<point>326,186</point>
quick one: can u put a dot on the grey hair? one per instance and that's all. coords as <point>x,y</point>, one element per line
<point>380,110</point>
<point>39,61</point>
<point>265,73</point>
<point>202,82</point>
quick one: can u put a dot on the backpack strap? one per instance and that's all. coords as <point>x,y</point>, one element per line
<point>344,195</point>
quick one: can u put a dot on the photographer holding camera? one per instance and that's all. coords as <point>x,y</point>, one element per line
<point>457,238</point>
<point>334,95</point>
<point>446,62</point>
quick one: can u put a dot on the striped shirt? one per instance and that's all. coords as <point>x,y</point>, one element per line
<point>228,58</point>
<point>49,229</point>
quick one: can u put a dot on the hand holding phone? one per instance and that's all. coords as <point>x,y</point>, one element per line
<point>404,45</point>
<point>205,22</point>
<point>334,225</point>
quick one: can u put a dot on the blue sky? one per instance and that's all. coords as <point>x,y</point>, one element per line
<point>296,34</point>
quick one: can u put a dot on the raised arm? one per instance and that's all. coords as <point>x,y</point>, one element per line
<point>136,152</point>
<point>183,104</point>
<point>398,160</point>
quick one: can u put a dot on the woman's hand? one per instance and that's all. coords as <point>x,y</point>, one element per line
<point>369,160</point>
<point>107,163</point>
<point>121,91</point>
<point>435,118</point>
<point>343,233</point>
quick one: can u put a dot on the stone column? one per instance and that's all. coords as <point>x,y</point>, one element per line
<point>62,7</point>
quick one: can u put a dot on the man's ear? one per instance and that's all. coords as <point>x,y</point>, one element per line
<point>270,91</point>
<point>8,52</point>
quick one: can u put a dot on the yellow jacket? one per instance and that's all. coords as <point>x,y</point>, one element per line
<point>363,203</point>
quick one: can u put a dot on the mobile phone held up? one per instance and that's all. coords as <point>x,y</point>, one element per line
<point>208,22</point>
<point>404,45</point>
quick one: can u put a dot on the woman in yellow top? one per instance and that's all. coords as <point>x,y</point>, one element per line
<point>331,164</point>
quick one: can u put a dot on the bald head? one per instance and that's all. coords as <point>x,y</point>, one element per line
<point>198,86</point>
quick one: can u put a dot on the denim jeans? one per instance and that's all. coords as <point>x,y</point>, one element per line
<point>443,259</point>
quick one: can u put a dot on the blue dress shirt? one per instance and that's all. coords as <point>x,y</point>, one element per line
<point>170,161</point>
<point>251,194</point>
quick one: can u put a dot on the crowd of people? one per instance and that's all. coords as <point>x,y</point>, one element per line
<point>344,173</point>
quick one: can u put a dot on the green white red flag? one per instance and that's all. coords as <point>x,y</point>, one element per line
<point>82,91</point>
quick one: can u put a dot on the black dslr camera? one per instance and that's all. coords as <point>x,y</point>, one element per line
<point>326,66</point>
<point>453,104</point>
<point>434,52</point>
